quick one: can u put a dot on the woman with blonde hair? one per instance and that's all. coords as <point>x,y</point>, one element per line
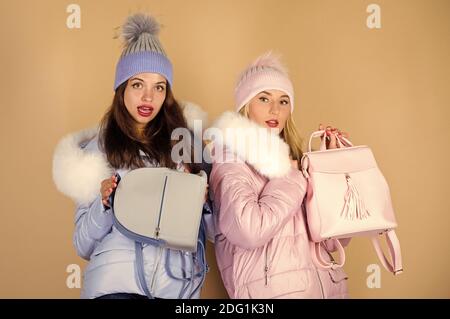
<point>261,240</point>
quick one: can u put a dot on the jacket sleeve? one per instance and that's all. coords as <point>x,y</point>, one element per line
<point>92,223</point>
<point>248,219</point>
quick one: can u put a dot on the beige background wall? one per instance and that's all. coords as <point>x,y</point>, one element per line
<point>388,87</point>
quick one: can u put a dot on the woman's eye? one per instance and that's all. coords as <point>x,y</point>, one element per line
<point>160,88</point>
<point>263,99</point>
<point>136,85</point>
<point>284,102</point>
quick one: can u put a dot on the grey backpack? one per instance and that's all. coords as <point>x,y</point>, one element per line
<point>161,207</point>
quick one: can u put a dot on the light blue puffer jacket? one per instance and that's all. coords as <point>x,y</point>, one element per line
<point>78,169</point>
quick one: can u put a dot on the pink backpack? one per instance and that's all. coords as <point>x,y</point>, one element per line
<point>348,196</point>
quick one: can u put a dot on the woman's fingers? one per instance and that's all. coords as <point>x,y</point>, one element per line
<point>330,133</point>
<point>106,192</point>
<point>332,141</point>
<point>107,187</point>
<point>113,181</point>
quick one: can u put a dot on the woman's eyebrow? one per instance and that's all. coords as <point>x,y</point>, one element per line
<point>138,79</point>
<point>268,93</point>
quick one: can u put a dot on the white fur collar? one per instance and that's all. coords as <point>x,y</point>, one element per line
<point>78,172</point>
<point>266,152</point>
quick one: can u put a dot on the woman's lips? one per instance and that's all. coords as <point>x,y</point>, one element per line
<point>272,123</point>
<point>145,111</point>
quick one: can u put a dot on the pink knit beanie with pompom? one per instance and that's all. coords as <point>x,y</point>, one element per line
<point>265,73</point>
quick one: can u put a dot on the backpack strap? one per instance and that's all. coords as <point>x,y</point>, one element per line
<point>140,268</point>
<point>200,257</point>
<point>317,257</point>
<point>394,251</point>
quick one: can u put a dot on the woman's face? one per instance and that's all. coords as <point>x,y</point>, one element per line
<point>144,95</point>
<point>270,109</point>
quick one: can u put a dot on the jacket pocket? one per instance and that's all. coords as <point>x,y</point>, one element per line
<point>280,285</point>
<point>113,241</point>
<point>109,256</point>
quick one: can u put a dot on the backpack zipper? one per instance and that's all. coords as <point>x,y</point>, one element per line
<point>160,249</point>
<point>160,208</point>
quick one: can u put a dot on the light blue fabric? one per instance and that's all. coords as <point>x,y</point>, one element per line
<point>140,62</point>
<point>112,267</point>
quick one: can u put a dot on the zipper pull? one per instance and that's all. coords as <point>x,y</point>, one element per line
<point>266,274</point>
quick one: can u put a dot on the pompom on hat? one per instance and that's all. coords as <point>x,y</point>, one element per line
<point>142,50</point>
<point>265,73</point>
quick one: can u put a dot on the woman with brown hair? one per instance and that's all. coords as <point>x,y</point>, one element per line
<point>135,132</point>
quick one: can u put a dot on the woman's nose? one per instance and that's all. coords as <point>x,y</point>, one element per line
<point>274,109</point>
<point>147,96</point>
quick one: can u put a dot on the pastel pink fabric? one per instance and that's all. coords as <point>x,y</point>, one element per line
<point>261,243</point>
<point>265,73</point>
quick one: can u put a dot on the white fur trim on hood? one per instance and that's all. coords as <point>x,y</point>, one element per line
<point>78,172</point>
<point>260,148</point>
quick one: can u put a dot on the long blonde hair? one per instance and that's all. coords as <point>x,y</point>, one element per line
<point>289,134</point>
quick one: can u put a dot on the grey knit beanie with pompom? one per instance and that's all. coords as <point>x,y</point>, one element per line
<point>142,50</point>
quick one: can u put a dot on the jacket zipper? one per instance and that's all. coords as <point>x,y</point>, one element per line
<point>318,276</point>
<point>320,283</point>
<point>155,270</point>
<point>266,266</point>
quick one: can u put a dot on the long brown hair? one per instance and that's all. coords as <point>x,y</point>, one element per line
<point>120,141</point>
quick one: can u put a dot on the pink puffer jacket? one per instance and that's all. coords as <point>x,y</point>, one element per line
<point>261,241</point>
